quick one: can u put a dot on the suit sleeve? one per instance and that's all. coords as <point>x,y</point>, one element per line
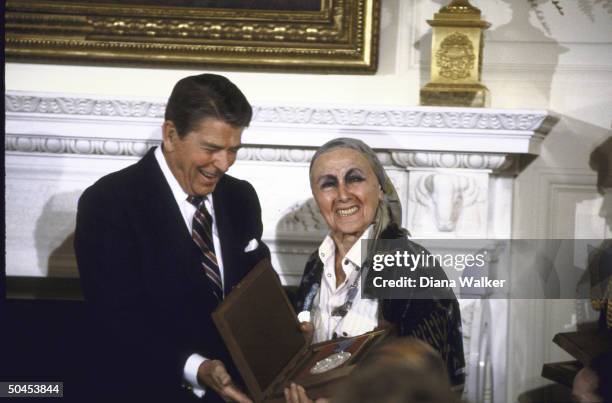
<point>130,345</point>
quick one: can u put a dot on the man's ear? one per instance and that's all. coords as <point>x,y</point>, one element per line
<point>169,135</point>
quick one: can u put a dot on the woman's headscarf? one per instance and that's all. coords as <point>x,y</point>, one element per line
<point>389,209</point>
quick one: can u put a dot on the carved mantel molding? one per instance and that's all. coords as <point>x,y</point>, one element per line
<point>414,117</point>
<point>49,144</point>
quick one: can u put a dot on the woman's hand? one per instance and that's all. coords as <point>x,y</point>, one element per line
<point>307,329</point>
<point>296,394</point>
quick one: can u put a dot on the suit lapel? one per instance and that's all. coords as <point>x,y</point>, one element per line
<point>227,237</point>
<point>157,197</point>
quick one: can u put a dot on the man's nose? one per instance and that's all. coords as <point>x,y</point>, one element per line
<point>224,161</point>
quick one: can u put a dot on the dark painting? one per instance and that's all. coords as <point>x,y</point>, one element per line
<point>279,5</point>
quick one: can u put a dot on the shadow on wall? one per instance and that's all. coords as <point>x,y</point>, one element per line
<point>54,237</point>
<point>588,8</point>
<point>298,233</point>
<point>520,29</point>
<point>389,25</point>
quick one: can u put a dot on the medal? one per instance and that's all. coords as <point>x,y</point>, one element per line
<point>337,358</point>
<point>330,362</point>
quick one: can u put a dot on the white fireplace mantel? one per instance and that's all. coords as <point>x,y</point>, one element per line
<point>442,129</point>
<point>453,169</point>
<point>433,154</point>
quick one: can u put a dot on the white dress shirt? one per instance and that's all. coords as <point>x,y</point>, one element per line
<point>190,370</point>
<point>363,315</point>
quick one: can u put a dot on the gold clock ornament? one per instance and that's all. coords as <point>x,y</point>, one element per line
<point>456,57</point>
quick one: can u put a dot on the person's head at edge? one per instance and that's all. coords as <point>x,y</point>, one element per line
<point>403,369</point>
<point>392,384</point>
<point>409,352</point>
<point>352,190</point>
<point>204,120</point>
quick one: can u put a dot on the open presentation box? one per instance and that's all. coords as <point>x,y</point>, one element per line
<point>261,331</point>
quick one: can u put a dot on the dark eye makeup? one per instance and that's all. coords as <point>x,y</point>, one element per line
<point>354,175</point>
<point>327,181</point>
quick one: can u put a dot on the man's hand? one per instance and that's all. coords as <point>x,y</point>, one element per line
<point>296,394</point>
<point>213,374</point>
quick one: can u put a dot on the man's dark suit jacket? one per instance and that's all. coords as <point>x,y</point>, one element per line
<point>142,278</point>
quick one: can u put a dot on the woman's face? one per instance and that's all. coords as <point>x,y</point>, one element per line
<point>346,191</point>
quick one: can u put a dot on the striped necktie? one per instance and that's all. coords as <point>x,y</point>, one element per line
<point>201,233</point>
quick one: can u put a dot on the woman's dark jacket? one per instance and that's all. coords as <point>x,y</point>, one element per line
<point>435,319</point>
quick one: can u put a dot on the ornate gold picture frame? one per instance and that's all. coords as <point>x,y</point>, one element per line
<point>291,35</point>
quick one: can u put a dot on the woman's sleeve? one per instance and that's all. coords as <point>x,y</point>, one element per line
<point>435,318</point>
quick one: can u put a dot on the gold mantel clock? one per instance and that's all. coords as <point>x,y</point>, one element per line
<point>456,57</point>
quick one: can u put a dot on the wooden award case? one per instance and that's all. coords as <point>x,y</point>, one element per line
<point>261,331</point>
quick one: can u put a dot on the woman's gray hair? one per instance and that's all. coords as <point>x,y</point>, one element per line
<point>390,209</point>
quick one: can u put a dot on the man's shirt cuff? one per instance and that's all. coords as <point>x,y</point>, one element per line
<point>190,374</point>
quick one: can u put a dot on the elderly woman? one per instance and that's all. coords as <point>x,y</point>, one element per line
<point>358,201</point>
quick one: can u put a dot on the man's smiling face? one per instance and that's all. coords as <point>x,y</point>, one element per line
<point>199,159</point>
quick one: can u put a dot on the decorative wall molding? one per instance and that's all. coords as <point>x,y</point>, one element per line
<point>94,107</point>
<point>448,195</point>
<point>51,144</point>
<point>466,130</point>
<point>415,117</point>
<point>448,204</point>
<point>417,137</point>
<point>75,145</point>
<point>275,154</point>
<point>494,162</point>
